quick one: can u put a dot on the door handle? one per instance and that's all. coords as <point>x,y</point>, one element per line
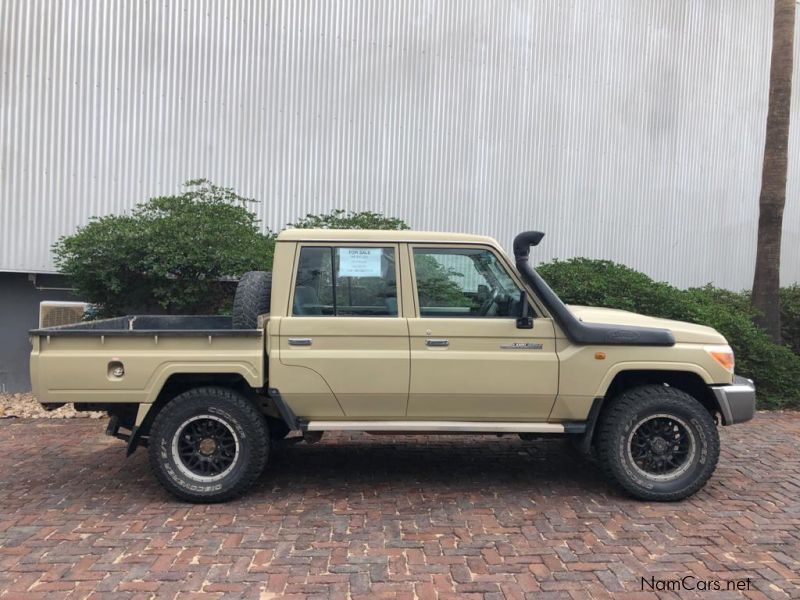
<point>300,341</point>
<point>437,342</point>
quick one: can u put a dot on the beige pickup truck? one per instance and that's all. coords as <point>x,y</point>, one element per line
<point>397,331</point>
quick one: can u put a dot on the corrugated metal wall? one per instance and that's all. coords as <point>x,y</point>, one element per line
<point>625,129</point>
<point>790,248</point>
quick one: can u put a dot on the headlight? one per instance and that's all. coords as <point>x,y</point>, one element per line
<point>723,355</point>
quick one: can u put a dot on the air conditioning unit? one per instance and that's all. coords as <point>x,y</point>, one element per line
<point>53,313</point>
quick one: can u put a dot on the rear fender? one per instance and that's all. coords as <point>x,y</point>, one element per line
<point>156,384</point>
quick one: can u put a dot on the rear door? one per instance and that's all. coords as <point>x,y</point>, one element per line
<point>468,359</point>
<point>345,324</point>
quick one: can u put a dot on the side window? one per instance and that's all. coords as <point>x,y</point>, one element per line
<point>464,282</point>
<point>346,281</point>
<point>313,288</point>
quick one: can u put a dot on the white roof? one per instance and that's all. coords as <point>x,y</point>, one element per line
<point>375,235</point>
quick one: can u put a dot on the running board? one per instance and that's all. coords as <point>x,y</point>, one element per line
<point>444,426</point>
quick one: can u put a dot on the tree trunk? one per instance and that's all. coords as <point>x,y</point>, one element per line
<point>766,283</point>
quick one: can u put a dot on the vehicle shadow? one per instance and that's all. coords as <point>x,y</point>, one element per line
<point>341,466</point>
<point>431,464</point>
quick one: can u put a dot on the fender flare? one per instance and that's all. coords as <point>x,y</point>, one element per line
<point>168,369</point>
<point>622,367</point>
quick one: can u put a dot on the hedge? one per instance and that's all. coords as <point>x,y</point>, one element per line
<point>790,317</point>
<point>774,368</point>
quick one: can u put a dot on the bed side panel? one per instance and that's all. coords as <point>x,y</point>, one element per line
<point>85,369</point>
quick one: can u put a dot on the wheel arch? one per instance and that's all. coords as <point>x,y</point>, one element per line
<point>655,369</point>
<point>689,381</point>
<point>210,373</point>
<point>178,383</point>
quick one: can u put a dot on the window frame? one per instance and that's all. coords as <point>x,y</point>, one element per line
<point>334,245</point>
<point>499,257</point>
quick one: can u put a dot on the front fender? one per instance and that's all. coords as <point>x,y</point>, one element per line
<point>621,367</point>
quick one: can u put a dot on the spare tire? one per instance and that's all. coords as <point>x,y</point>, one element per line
<point>252,299</point>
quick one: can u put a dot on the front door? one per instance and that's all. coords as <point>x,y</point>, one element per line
<point>468,359</point>
<point>345,326</point>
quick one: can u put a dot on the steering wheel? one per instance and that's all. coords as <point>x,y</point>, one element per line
<point>489,302</point>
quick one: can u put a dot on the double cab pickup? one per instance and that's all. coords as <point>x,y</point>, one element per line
<point>399,331</point>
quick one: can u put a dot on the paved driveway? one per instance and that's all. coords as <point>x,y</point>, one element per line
<point>405,517</point>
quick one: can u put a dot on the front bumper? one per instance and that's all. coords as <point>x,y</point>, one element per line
<point>737,401</point>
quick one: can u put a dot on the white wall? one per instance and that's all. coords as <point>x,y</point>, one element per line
<point>624,129</point>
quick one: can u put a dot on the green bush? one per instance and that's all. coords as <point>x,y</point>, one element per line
<point>172,254</point>
<point>774,368</point>
<point>181,254</point>
<point>790,317</point>
<point>341,219</point>
<point>603,283</point>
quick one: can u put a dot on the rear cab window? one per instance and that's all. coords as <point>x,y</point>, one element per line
<point>346,281</point>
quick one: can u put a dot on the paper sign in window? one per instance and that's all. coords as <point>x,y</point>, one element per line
<point>360,262</point>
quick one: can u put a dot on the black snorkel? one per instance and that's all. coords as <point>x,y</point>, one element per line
<point>577,331</point>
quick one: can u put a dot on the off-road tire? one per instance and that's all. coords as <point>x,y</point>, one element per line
<point>252,299</point>
<point>616,430</point>
<point>237,416</point>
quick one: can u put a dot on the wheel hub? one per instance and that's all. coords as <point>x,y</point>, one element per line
<point>659,445</point>
<point>207,446</point>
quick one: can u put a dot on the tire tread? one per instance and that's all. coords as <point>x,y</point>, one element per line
<point>252,299</point>
<point>631,401</point>
<point>258,453</point>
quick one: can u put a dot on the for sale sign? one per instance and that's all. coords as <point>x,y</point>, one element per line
<point>360,262</point>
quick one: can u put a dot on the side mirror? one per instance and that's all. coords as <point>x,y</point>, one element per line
<point>524,321</point>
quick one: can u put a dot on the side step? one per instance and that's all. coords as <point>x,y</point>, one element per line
<point>446,426</point>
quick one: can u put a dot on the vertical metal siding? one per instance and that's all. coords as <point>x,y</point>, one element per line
<point>790,246</point>
<point>624,129</point>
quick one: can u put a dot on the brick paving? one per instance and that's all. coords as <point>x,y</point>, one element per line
<point>395,517</point>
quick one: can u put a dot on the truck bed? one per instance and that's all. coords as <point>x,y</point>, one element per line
<point>80,362</point>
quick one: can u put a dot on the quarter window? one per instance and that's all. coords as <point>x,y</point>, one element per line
<point>345,281</point>
<point>464,282</point>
